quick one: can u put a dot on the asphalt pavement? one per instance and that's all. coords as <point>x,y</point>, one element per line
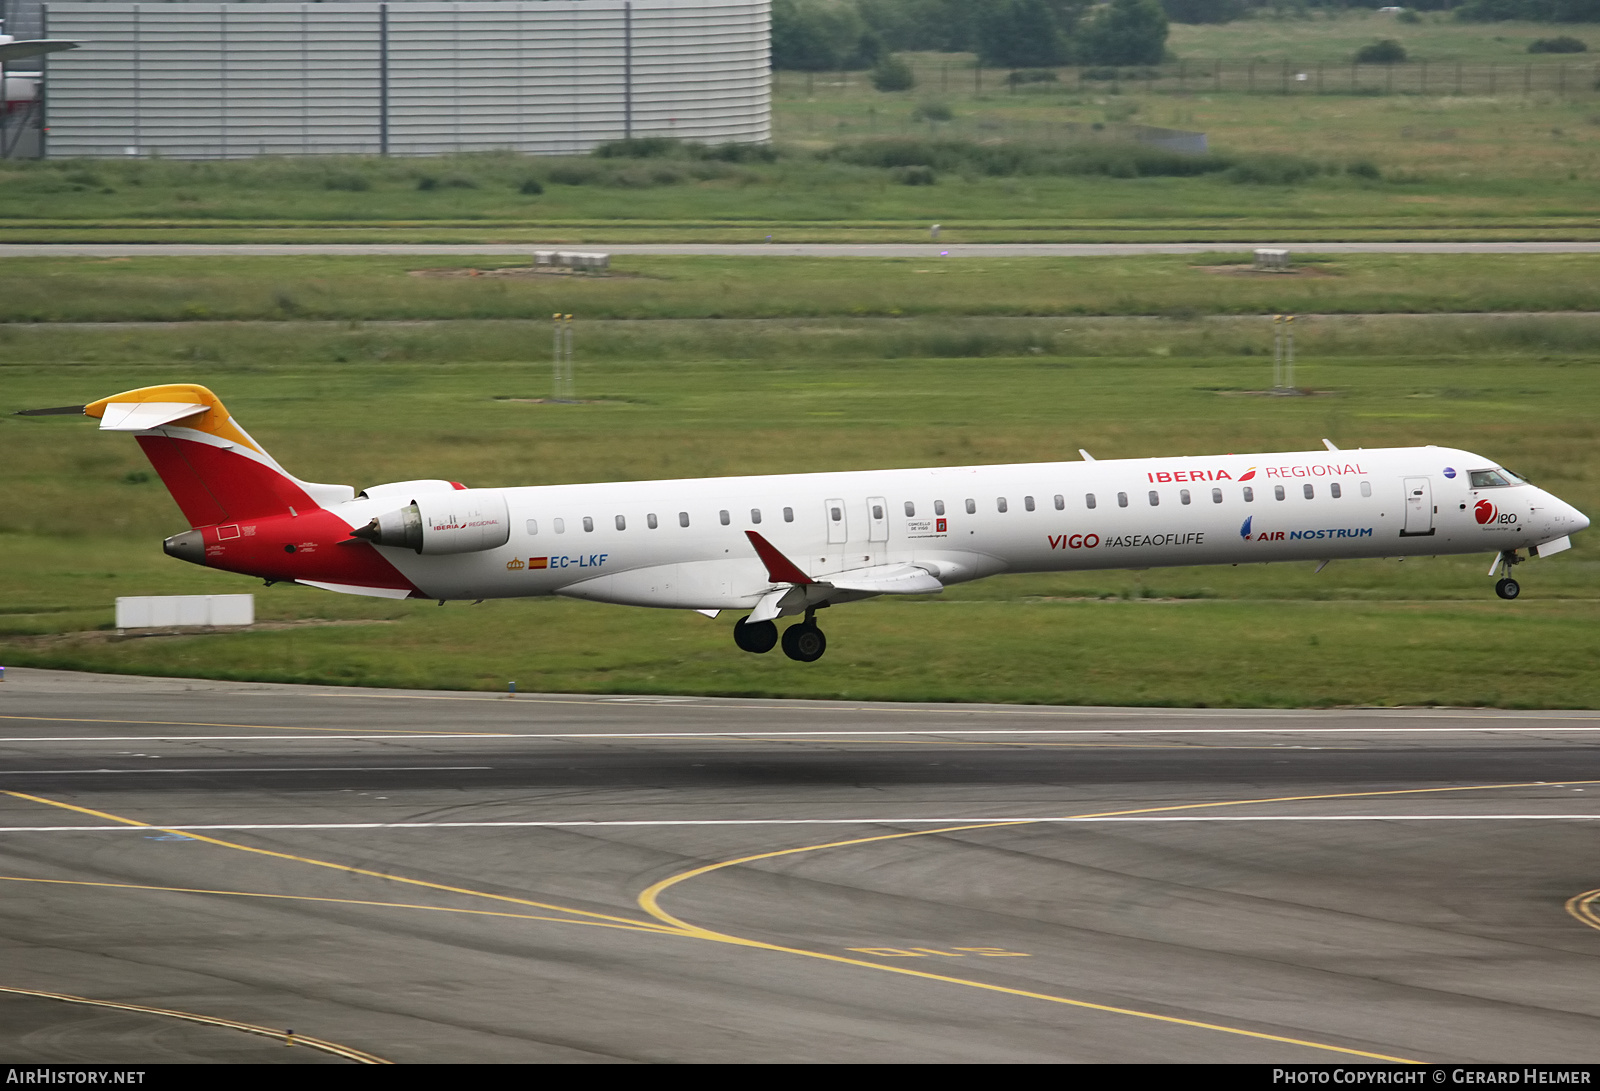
<point>423,876</point>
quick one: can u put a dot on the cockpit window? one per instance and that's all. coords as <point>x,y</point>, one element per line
<point>1489,479</point>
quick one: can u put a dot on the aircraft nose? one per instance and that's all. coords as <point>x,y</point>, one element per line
<point>1580,521</point>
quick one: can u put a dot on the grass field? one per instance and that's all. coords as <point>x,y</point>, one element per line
<point>370,402</point>
<point>644,287</point>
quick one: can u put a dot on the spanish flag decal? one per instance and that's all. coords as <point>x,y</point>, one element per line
<point>538,562</point>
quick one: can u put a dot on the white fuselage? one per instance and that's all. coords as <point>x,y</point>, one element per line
<point>682,544</point>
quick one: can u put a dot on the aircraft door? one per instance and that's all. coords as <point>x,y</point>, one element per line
<point>877,530</point>
<point>838,521</point>
<point>1419,507</point>
<point>837,525</point>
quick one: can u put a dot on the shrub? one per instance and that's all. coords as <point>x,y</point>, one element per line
<point>1408,16</point>
<point>460,182</point>
<point>530,188</point>
<point>1388,51</point>
<point>1272,170</point>
<point>1032,75</point>
<point>1565,43</point>
<point>638,147</point>
<point>913,176</point>
<point>573,173</point>
<point>737,153</point>
<point>353,183</point>
<point>1363,168</point>
<point>932,111</point>
<point>427,182</point>
<point>893,74</point>
<point>1101,73</point>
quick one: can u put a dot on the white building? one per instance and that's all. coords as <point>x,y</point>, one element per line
<point>408,77</point>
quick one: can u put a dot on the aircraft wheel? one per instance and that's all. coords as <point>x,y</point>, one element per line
<point>804,642</point>
<point>758,637</point>
<point>1508,588</point>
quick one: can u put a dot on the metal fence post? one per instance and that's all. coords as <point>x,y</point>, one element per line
<point>383,79</point>
<point>627,71</point>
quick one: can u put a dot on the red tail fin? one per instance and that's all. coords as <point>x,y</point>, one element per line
<point>210,465</point>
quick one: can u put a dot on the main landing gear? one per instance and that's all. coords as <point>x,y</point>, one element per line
<point>1508,588</point>
<point>802,641</point>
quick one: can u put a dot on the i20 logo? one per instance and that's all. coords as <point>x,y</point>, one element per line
<point>1488,515</point>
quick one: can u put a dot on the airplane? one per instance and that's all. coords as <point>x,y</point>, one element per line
<point>788,545</point>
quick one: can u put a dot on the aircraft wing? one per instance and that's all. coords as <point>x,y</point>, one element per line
<point>800,590</point>
<point>886,579</point>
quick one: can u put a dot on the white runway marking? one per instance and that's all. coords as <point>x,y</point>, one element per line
<point>237,827</point>
<point>267,769</point>
<point>953,733</point>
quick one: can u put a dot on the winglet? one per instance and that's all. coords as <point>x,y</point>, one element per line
<point>780,569</point>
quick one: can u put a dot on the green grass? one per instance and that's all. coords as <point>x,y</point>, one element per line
<point>370,288</point>
<point>1334,36</point>
<point>365,403</point>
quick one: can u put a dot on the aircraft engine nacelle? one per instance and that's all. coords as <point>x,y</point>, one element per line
<point>463,521</point>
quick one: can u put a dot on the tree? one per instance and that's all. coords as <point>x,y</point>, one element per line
<point>893,74</point>
<point>1020,34</point>
<point>1126,32</point>
<point>1203,11</point>
<point>1387,51</point>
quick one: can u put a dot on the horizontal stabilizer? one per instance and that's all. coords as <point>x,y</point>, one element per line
<point>887,579</point>
<point>57,411</point>
<point>142,416</point>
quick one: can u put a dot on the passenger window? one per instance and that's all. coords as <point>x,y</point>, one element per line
<point>1366,488</point>
<point>1277,491</point>
<point>1088,499</point>
<point>683,518</point>
<point>1216,496</point>
<point>722,516</point>
<point>1155,498</point>
<point>1027,502</point>
<point>1061,502</point>
<point>877,511</point>
<point>1249,495</point>
<point>588,524</point>
<point>622,522</point>
<point>1183,496</point>
<point>938,507</point>
<point>911,510</point>
<point>561,526</point>
<point>1122,499</point>
<point>788,515</point>
<point>650,521</point>
<point>1310,491</point>
<point>533,526</point>
<point>1000,504</point>
<point>1333,490</point>
<point>835,514</point>
<point>755,515</point>
<point>972,507</point>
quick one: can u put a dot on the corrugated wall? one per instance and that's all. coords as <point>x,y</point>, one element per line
<point>191,80</point>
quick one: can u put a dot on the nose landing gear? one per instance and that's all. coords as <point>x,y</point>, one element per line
<point>1506,588</point>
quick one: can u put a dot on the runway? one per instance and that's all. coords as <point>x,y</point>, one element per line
<point>421,876</point>
<point>770,250</point>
